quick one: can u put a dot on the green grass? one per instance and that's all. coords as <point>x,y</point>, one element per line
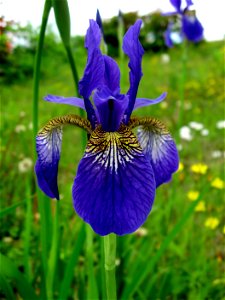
<point>179,257</point>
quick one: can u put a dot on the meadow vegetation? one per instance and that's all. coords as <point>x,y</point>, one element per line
<point>189,209</point>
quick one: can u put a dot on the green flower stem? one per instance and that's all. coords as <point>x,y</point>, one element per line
<point>92,292</point>
<point>37,66</point>
<point>53,257</point>
<point>182,82</point>
<point>43,206</point>
<point>110,265</point>
<point>28,228</point>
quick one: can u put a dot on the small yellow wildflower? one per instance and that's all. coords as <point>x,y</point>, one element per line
<point>224,229</point>
<point>218,183</point>
<point>212,222</point>
<point>199,168</point>
<point>181,167</point>
<point>200,206</point>
<point>193,195</point>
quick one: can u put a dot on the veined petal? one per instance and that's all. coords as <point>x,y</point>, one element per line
<point>134,50</point>
<point>93,36</point>
<point>93,73</point>
<point>115,186</point>
<point>192,28</point>
<point>48,146</point>
<point>158,147</point>
<point>189,3</point>
<point>94,70</point>
<point>66,100</point>
<point>110,109</point>
<point>140,102</point>
<point>111,75</point>
<point>176,4</point>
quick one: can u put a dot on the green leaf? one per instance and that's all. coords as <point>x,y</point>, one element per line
<point>142,274</point>
<point>6,288</point>
<point>9,270</point>
<point>62,17</point>
<point>72,261</point>
<point>10,209</point>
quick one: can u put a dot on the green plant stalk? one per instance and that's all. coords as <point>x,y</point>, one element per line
<point>92,286</point>
<point>52,262</point>
<point>9,270</point>
<point>110,265</point>
<point>72,261</point>
<point>182,83</point>
<point>43,205</point>
<point>28,225</point>
<point>37,67</point>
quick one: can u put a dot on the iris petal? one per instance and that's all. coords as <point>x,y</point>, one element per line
<point>110,109</point>
<point>111,75</point>
<point>192,28</point>
<point>160,148</point>
<point>140,102</point>
<point>134,50</point>
<point>176,4</point>
<point>66,100</point>
<point>48,145</point>
<point>115,186</point>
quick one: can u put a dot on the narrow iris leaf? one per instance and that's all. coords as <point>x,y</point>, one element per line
<point>62,17</point>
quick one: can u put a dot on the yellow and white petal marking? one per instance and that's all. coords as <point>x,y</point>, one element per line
<point>112,149</point>
<point>115,186</point>
<point>158,146</point>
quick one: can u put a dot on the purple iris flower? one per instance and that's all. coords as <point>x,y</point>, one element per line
<point>117,177</point>
<point>191,28</point>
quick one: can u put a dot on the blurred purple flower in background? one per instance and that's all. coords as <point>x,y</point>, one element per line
<point>190,27</point>
<point>117,177</point>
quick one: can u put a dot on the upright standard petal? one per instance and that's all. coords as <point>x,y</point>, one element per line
<point>111,75</point>
<point>176,4</point>
<point>115,187</point>
<point>192,28</point>
<point>134,50</point>
<point>158,147</point>
<point>94,70</point>
<point>110,109</point>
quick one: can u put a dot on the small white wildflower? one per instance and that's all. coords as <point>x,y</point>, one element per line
<point>164,105</point>
<point>217,154</point>
<point>220,124</point>
<point>165,58</point>
<point>25,165</point>
<point>141,231</point>
<point>187,106</point>
<point>22,114</point>
<point>30,126</point>
<point>196,125</point>
<point>204,132</point>
<point>185,133</point>
<point>20,128</point>
<point>179,147</point>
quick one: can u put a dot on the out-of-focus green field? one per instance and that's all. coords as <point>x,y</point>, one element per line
<point>192,264</point>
